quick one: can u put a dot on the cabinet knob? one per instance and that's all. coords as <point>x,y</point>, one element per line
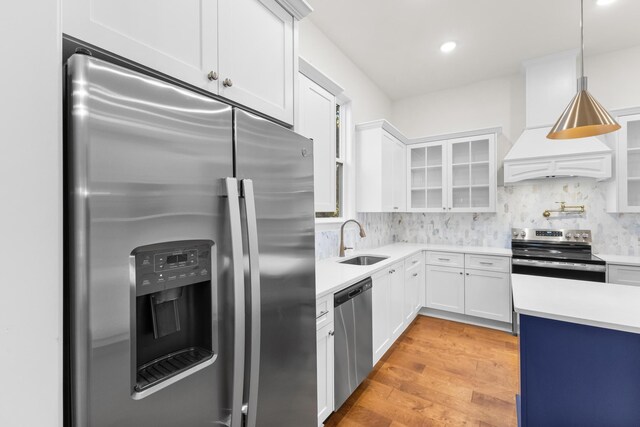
<point>444,209</point>
<point>415,274</point>
<point>467,274</point>
<point>212,75</point>
<point>461,273</point>
<point>227,82</point>
<point>331,333</point>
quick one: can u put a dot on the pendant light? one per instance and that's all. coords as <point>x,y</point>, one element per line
<point>584,116</point>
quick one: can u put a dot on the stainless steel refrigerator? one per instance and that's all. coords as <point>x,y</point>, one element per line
<point>191,267</point>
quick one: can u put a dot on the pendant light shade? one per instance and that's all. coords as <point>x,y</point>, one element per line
<point>584,116</point>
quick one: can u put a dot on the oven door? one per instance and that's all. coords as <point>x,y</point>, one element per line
<point>562,270</point>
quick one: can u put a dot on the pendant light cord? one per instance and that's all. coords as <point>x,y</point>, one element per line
<point>582,38</point>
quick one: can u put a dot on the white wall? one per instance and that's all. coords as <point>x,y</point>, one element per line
<point>613,78</point>
<point>501,101</point>
<point>31,215</point>
<point>368,100</point>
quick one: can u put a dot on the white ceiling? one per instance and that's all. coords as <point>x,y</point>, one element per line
<point>397,42</point>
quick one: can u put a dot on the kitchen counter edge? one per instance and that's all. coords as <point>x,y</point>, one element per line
<point>332,277</point>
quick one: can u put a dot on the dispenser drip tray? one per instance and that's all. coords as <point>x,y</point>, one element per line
<point>168,366</point>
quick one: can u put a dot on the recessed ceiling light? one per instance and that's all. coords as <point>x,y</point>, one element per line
<point>448,47</point>
<point>604,2</point>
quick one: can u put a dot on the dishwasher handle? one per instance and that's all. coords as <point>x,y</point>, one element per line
<point>352,291</point>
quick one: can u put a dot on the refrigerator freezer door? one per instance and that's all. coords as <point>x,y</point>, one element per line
<point>281,166</point>
<point>146,163</point>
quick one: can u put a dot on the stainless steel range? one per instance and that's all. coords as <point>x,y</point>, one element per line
<point>556,253</point>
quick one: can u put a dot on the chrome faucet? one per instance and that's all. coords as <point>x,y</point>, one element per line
<point>362,234</point>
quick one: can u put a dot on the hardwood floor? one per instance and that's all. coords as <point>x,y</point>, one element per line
<point>439,373</point>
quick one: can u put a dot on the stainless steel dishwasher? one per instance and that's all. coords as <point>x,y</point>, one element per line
<point>353,346</point>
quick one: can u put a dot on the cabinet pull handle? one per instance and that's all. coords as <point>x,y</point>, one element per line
<point>322,313</point>
<point>486,263</point>
<point>227,82</point>
<point>415,274</point>
<point>331,333</point>
<point>444,259</point>
<point>415,261</point>
<point>212,75</point>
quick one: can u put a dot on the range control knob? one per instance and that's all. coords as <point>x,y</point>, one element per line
<point>515,234</point>
<point>569,235</point>
<point>523,234</point>
<point>585,235</point>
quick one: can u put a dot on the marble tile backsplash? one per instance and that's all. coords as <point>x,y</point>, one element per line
<point>517,206</point>
<point>379,228</point>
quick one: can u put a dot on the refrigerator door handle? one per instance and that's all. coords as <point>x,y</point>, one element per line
<point>250,408</point>
<point>231,187</point>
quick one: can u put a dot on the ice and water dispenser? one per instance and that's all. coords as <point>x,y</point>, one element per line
<point>173,308</point>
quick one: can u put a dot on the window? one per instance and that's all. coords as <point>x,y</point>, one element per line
<point>340,166</point>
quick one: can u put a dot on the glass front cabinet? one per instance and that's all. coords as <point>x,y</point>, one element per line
<point>625,196</point>
<point>454,175</point>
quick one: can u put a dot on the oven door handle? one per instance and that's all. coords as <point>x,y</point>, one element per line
<point>559,265</point>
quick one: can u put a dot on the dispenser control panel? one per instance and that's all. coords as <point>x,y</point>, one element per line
<point>170,265</point>
<point>178,259</point>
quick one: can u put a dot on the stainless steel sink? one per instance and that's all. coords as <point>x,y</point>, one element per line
<point>364,260</point>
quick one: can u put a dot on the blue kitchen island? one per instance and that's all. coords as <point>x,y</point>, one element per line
<point>579,352</point>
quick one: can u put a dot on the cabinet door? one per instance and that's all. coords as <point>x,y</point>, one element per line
<point>179,39</point>
<point>414,280</point>
<point>488,295</point>
<point>445,288</point>
<point>399,177</point>
<point>380,313</point>
<point>472,177</point>
<point>256,56</point>
<point>324,352</point>
<point>388,150</point>
<point>629,163</point>
<point>396,309</point>
<point>426,177</point>
<point>624,275</point>
<point>318,122</point>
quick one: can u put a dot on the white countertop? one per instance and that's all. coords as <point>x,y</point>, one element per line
<point>331,276</point>
<point>620,259</point>
<point>602,305</point>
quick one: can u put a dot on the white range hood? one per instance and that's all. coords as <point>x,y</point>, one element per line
<point>550,85</point>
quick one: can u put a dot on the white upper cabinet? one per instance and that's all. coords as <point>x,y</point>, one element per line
<point>318,122</point>
<point>256,56</point>
<point>624,194</point>
<point>240,49</point>
<point>380,168</point>
<point>179,39</point>
<point>455,175</point>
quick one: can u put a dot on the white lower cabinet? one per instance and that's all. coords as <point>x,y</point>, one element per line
<point>324,346</point>
<point>487,294</point>
<point>396,309</point>
<point>471,284</point>
<point>387,308</point>
<point>413,287</point>
<point>325,357</point>
<point>445,288</point>
<point>623,274</point>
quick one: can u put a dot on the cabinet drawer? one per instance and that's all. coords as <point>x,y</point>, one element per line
<point>324,311</point>
<point>413,261</point>
<point>448,259</point>
<point>487,262</point>
<point>624,275</point>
